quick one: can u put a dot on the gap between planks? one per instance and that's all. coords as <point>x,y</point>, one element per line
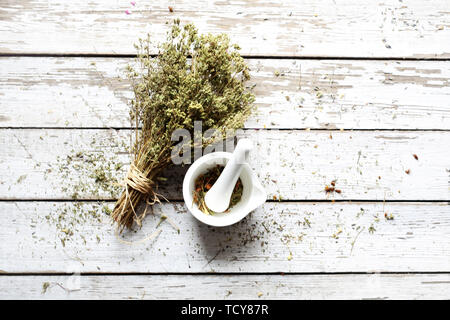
<point>180,201</point>
<point>261,57</point>
<point>218,274</point>
<point>244,129</point>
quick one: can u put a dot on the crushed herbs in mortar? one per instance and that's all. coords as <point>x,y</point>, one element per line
<point>205,181</point>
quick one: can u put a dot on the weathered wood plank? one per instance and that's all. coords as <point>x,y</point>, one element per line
<point>67,237</point>
<point>341,286</point>
<point>296,165</point>
<point>340,28</point>
<point>92,92</point>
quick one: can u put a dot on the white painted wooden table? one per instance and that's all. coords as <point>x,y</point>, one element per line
<point>346,90</point>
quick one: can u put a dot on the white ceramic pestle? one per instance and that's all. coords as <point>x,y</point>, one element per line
<point>218,197</point>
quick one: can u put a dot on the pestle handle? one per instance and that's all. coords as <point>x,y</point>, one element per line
<point>218,197</point>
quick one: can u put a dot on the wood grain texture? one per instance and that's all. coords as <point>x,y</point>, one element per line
<point>341,28</point>
<point>292,165</point>
<point>68,237</point>
<point>239,287</point>
<point>92,92</point>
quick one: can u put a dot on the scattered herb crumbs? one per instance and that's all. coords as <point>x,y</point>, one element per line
<point>332,188</point>
<point>106,210</point>
<point>289,256</point>
<point>21,178</point>
<point>45,286</point>
<point>389,216</point>
<point>337,233</point>
<point>161,220</point>
<point>307,222</point>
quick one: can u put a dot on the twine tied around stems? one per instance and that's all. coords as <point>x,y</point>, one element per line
<point>138,181</point>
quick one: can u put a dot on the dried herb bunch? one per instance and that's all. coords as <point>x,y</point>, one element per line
<point>193,78</point>
<point>205,181</point>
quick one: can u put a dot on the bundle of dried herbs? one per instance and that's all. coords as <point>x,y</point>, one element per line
<point>193,78</point>
<point>205,181</point>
